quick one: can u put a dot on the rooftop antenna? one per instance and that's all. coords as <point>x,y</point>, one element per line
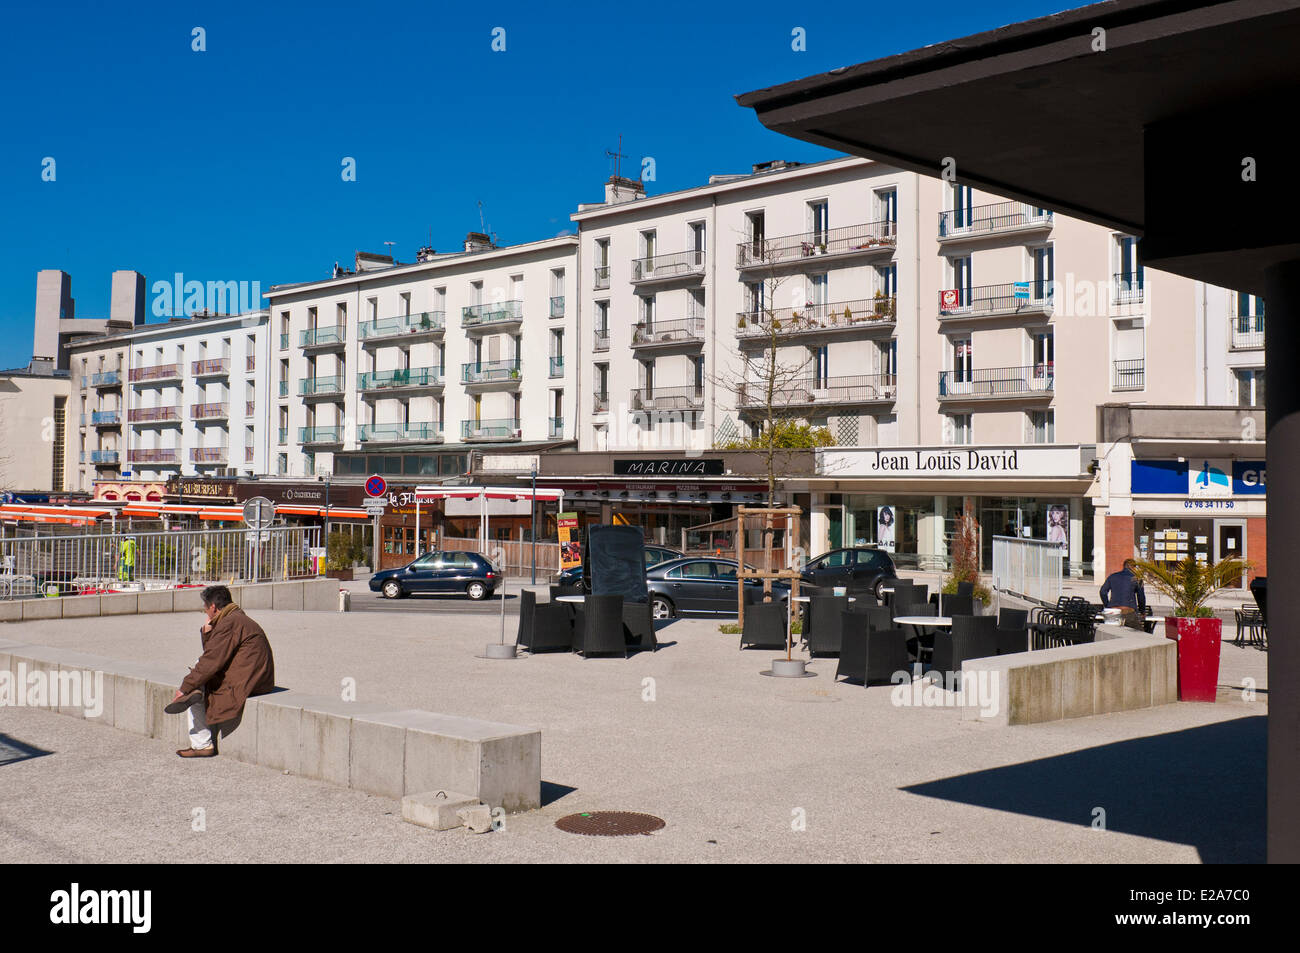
<point>390,248</point>
<point>617,156</point>
<point>482,226</point>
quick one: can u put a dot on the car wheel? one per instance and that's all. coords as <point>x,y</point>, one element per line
<point>476,590</point>
<point>393,589</point>
<point>661,608</point>
<point>880,590</point>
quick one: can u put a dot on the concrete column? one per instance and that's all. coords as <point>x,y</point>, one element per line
<point>1282,410</point>
<point>818,525</point>
<point>1076,533</point>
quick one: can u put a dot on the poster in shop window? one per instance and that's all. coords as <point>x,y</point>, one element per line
<point>570,545</point>
<point>885,528</point>
<point>1058,525</point>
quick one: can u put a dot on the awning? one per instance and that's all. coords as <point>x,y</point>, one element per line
<point>158,510</point>
<point>65,515</point>
<point>335,512</point>
<point>427,493</point>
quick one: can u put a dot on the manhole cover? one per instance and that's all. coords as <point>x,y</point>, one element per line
<point>610,823</point>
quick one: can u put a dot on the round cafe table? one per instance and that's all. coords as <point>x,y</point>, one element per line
<point>809,598</point>
<point>578,599</point>
<point>918,622</point>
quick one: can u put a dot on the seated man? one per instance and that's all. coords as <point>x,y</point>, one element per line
<point>236,663</point>
<point>1123,590</point>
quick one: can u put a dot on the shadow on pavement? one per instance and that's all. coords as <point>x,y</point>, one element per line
<point>552,792</point>
<point>12,750</point>
<point>1201,786</point>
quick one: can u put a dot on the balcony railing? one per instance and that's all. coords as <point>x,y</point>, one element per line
<point>106,418</point>
<point>153,456</point>
<point>210,366</point>
<point>403,325</point>
<point>504,428</point>
<point>159,372</point>
<point>318,386</point>
<point>870,238</point>
<point>557,306</point>
<point>990,219</point>
<point>250,408</point>
<point>599,403</point>
<point>250,363</point>
<point>283,436</point>
<point>557,366</point>
<point>284,342</point>
<point>488,372</point>
<point>1128,288</point>
<point>323,337</point>
<point>209,411</point>
<point>986,382</point>
<point>675,331</point>
<point>397,432</point>
<point>1246,332</point>
<point>106,379</point>
<point>397,379</point>
<point>860,315</point>
<point>145,415</point>
<point>555,427</point>
<point>817,392</point>
<point>687,397</point>
<point>209,454</point>
<point>601,281</point>
<point>1128,375</point>
<point>1014,297</point>
<point>101,457</point>
<point>249,454</point>
<point>491,314</point>
<point>600,339</point>
<point>320,434</point>
<point>682,264</point>
<point>284,388</point>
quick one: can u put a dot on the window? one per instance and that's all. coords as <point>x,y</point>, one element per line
<point>697,241</point>
<point>1250,387</point>
<point>757,295</point>
<point>963,202</point>
<point>963,356</point>
<point>888,357</point>
<point>887,207</point>
<point>1043,354</point>
<point>833,560</point>
<point>282,464</point>
<point>818,221</point>
<point>961,278</point>
<point>819,291</point>
<point>1040,426</point>
<point>756,226</point>
<point>821,365</point>
<point>648,244</point>
<point>1250,313</point>
<point>1043,264</point>
<point>699,570</point>
<point>887,280</point>
<point>957,429</point>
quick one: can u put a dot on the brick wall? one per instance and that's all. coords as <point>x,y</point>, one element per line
<point>1119,545</point>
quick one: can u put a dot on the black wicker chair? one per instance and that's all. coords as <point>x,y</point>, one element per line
<point>1054,637</point>
<point>972,636</point>
<point>966,589</point>
<point>527,604</point>
<point>601,627</point>
<point>826,633</point>
<point>879,616</point>
<point>832,604</point>
<point>955,604</point>
<point>551,629</point>
<point>920,639</point>
<point>868,654</point>
<point>640,626</point>
<point>902,594</point>
<point>764,627</point>
<point>1013,631</point>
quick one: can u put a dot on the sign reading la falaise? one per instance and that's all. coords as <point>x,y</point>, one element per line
<point>680,466</point>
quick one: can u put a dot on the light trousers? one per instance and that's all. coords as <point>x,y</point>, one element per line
<point>197,716</point>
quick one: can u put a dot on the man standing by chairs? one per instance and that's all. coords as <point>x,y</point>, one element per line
<point>1123,590</point>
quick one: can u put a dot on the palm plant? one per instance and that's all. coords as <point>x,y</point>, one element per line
<point>1190,584</point>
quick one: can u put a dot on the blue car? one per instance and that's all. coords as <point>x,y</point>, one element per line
<point>447,573</point>
<point>572,581</point>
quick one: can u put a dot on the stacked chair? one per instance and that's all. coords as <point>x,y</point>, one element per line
<point>1013,631</point>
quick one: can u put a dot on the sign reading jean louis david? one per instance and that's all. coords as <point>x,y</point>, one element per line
<point>944,462</point>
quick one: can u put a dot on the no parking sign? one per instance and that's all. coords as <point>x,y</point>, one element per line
<point>376,486</point>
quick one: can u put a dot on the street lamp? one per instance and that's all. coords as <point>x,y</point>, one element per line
<point>532,514</point>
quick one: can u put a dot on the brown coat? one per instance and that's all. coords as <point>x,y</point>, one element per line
<point>235,664</point>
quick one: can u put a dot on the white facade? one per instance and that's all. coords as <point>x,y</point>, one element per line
<point>465,348</point>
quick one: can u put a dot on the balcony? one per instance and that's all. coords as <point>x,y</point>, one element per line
<point>874,239</point>
<point>169,455</point>
<point>107,379</point>
<point>153,415</point>
<point>677,332</point>
<point>997,383</point>
<point>284,342</point>
<point>600,403</point>
<point>687,397</point>
<point>1128,288</point>
<point>284,388</point>
<point>317,388</point>
<point>601,280</point>
<point>1030,298</point>
<point>679,266</point>
<point>250,408</point>
<point>400,433</point>
<point>209,411</point>
<point>323,339</point>
<point>405,379</point>
<point>557,306</point>
<point>106,418</point>
<point>838,318</point>
<point>250,363</point>
<point>100,458</point>
<point>209,455</point>
<point>555,428</point>
<point>283,436</point>
<point>320,435</point>
<point>1001,218</point>
<point>557,366</point>
<point>406,327</point>
<point>494,316</point>
<point>600,339</point>
<point>155,374</point>
<point>1246,332</point>
<point>827,392</point>
<point>501,429</point>
<point>210,367</point>
<point>490,373</point>
<point>1128,375</point>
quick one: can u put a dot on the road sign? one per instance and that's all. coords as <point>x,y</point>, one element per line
<point>375,504</point>
<point>376,485</point>
<point>263,536</point>
<point>259,512</point>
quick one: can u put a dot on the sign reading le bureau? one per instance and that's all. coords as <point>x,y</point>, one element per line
<point>679,466</point>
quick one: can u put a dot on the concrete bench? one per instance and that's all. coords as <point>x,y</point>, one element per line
<point>382,750</point>
<point>311,595</point>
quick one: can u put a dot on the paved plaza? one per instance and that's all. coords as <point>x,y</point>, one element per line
<point>741,767</point>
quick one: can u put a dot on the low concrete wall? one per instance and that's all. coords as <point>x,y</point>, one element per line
<point>384,751</point>
<point>312,595</point>
<point>1120,671</point>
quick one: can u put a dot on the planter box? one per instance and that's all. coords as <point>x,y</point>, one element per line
<point>1198,656</point>
<point>342,574</point>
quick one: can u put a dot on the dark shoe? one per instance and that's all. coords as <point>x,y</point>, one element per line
<point>198,752</point>
<point>184,702</point>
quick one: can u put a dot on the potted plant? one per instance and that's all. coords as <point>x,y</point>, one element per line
<point>425,325</point>
<point>1189,584</point>
<point>821,248</point>
<point>338,556</point>
<point>741,322</point>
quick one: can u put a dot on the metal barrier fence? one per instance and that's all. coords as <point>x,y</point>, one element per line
<point>30,565</point>
<point>1028,568</point>
<point>514,557</point>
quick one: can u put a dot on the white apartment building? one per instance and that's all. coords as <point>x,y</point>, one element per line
<point>454,351</point>
<point>184,397</point>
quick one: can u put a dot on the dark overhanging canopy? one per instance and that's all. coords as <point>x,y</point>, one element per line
<point>1050,112</point>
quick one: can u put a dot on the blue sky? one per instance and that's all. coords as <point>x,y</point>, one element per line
<point>225,165</point>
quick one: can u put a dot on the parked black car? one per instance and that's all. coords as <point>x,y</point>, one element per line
<point>573,582</point>
<point>439,572</point>
<point>856,568</point>
<point>701,584</point>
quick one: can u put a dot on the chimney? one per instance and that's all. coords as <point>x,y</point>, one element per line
<point>477,241</point>
<point>773,165</point>
<point>619,189</point>
<point>369,261</point>
<point>53,304</point>
<point>426,254</point>
<point>126,305</point>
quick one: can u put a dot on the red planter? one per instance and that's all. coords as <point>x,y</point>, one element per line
<point>1198,656</point>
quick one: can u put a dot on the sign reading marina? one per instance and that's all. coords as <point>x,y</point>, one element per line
<point>680,466</point>
<point>1066,461</point>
